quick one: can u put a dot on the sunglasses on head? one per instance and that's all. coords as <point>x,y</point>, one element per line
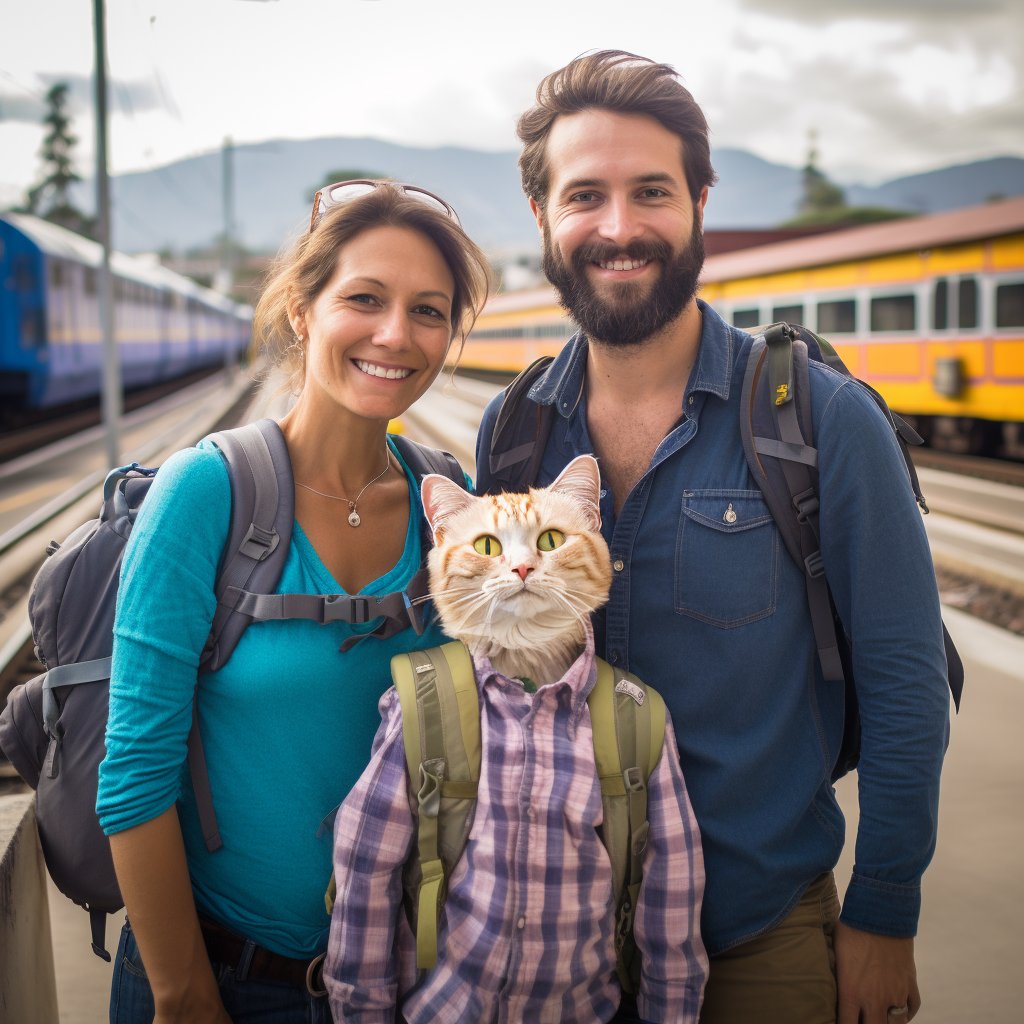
<point>346,191</point>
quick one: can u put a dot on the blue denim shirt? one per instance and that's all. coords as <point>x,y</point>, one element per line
<point>711,610</point>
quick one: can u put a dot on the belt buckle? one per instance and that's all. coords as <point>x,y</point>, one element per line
<point>315,976</point>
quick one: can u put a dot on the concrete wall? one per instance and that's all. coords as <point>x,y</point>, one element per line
<point>28,991</point>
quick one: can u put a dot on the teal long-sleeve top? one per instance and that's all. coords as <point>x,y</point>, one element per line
<point>287,723</point>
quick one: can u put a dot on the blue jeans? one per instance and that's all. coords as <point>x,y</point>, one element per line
<point>246,1001</point>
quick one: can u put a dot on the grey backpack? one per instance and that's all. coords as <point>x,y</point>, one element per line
<point>53,727</point>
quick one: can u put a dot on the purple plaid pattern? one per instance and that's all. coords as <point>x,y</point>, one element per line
<point>527,928</point>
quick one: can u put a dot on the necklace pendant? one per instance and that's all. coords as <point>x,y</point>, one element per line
<point>353,518</point>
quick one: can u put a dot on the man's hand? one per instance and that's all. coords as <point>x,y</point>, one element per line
<point>876,977</point>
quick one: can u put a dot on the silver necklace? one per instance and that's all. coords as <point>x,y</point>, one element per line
<point>353,511</point>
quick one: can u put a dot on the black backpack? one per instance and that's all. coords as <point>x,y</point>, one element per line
<point>777,434</point>
<point>53,727</point>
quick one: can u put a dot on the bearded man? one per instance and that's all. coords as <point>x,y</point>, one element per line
<point>705,604</point>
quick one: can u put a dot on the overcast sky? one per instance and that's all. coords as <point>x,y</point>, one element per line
<point>890,87</point>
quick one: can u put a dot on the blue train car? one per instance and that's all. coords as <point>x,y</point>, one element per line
<point>50,335</point>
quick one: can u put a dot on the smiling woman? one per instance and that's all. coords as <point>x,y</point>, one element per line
<point>361,313</point>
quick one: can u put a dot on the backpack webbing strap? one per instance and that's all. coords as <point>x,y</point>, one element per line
<point>793,499</point>
<point>323,608</point>
<point>262,511</point>
<point>628,723</point>
<point>519,438</point>
<point>441,731</point>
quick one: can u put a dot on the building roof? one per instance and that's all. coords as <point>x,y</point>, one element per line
<point>969,224</point>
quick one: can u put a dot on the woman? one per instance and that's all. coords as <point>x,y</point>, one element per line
<point>361,314</point>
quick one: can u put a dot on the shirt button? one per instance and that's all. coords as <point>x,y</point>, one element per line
<point>521,923</point>
<point>618,565</point>
<point>613,657</point>
<point>691,399</point>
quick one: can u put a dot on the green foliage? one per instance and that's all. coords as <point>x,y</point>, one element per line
<point>845,216</point>
<point>824,203</point>
<point>49,198</point>
<point>820,195</point>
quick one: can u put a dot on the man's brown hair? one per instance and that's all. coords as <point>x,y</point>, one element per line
<point>625,83</point>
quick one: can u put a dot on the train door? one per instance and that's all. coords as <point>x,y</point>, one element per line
<point>23,350</point>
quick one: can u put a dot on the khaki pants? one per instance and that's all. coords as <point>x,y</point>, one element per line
<point>787,975</point>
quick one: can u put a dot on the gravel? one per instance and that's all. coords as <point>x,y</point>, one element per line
<point>999,607</point>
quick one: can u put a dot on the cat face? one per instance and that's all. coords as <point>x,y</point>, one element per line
<point>516,570</point>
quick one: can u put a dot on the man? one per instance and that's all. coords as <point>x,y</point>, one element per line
<point>706,605</point>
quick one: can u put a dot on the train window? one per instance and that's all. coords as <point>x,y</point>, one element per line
<point>57,274</point>
<point>791,314</point>
<point>1010,305</point>
<point>839,317</point>
<point>968,304</point>
<point>940,305</point>
<point>89,281</point>
<point>746,317</point>
<point>894,313</point>
<point>23,272</point>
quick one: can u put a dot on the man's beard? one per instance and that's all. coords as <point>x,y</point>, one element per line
<point>635,313</point>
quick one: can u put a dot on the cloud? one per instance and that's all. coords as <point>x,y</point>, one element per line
<point>19,107</point>
<point>877,10</point>
<point>889,90</point>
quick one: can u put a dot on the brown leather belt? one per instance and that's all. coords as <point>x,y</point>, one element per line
<point>251,961</point>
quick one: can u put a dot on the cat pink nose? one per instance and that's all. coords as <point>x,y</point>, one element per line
<point>524,570</point>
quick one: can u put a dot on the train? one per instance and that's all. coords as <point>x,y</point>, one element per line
<point>51,341</point>
<point>929,310</point>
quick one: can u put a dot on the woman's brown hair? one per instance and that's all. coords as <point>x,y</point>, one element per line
<point>302,271</point>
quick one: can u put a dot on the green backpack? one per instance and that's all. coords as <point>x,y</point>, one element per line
<point>441,731</point>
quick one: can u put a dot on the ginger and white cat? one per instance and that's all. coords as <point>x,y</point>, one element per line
<point>516,576</point>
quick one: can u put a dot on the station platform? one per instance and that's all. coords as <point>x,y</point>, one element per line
<point>968,946</point>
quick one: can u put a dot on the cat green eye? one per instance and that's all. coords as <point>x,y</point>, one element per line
<point>550,539</point>
<point>487,545</point>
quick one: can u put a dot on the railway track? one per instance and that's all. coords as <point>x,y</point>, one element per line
<point>27,433</point>
<point>22,548</point>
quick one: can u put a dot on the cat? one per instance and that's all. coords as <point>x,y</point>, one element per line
<point>516,576</point>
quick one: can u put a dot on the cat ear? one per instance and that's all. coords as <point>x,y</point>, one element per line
<point>581,480</point>
<point>442,499</point>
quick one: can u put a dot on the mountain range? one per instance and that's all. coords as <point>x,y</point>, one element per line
<point>180,206</point>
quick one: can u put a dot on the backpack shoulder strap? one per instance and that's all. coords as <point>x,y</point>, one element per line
<point>422,459</point>
<point>628,723</point>
<point>775,425</point>
<point>520,435</point>
<point>441,732</point>
<point>262,513</point>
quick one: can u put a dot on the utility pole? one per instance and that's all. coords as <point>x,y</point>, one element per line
<point>111,397</point>
<point>226,273</point>
<point>227,257</point>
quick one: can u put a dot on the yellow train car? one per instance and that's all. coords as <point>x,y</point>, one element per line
<point>929,310</point>
<point>514,329</point>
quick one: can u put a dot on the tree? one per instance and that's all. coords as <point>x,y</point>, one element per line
<point>824,203</point>
<point>50,198</point>
<point>820,195</point>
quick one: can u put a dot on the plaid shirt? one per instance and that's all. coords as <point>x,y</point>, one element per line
<point>528,923</point>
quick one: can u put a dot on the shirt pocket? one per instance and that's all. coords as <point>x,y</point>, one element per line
<point>727,553</point>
